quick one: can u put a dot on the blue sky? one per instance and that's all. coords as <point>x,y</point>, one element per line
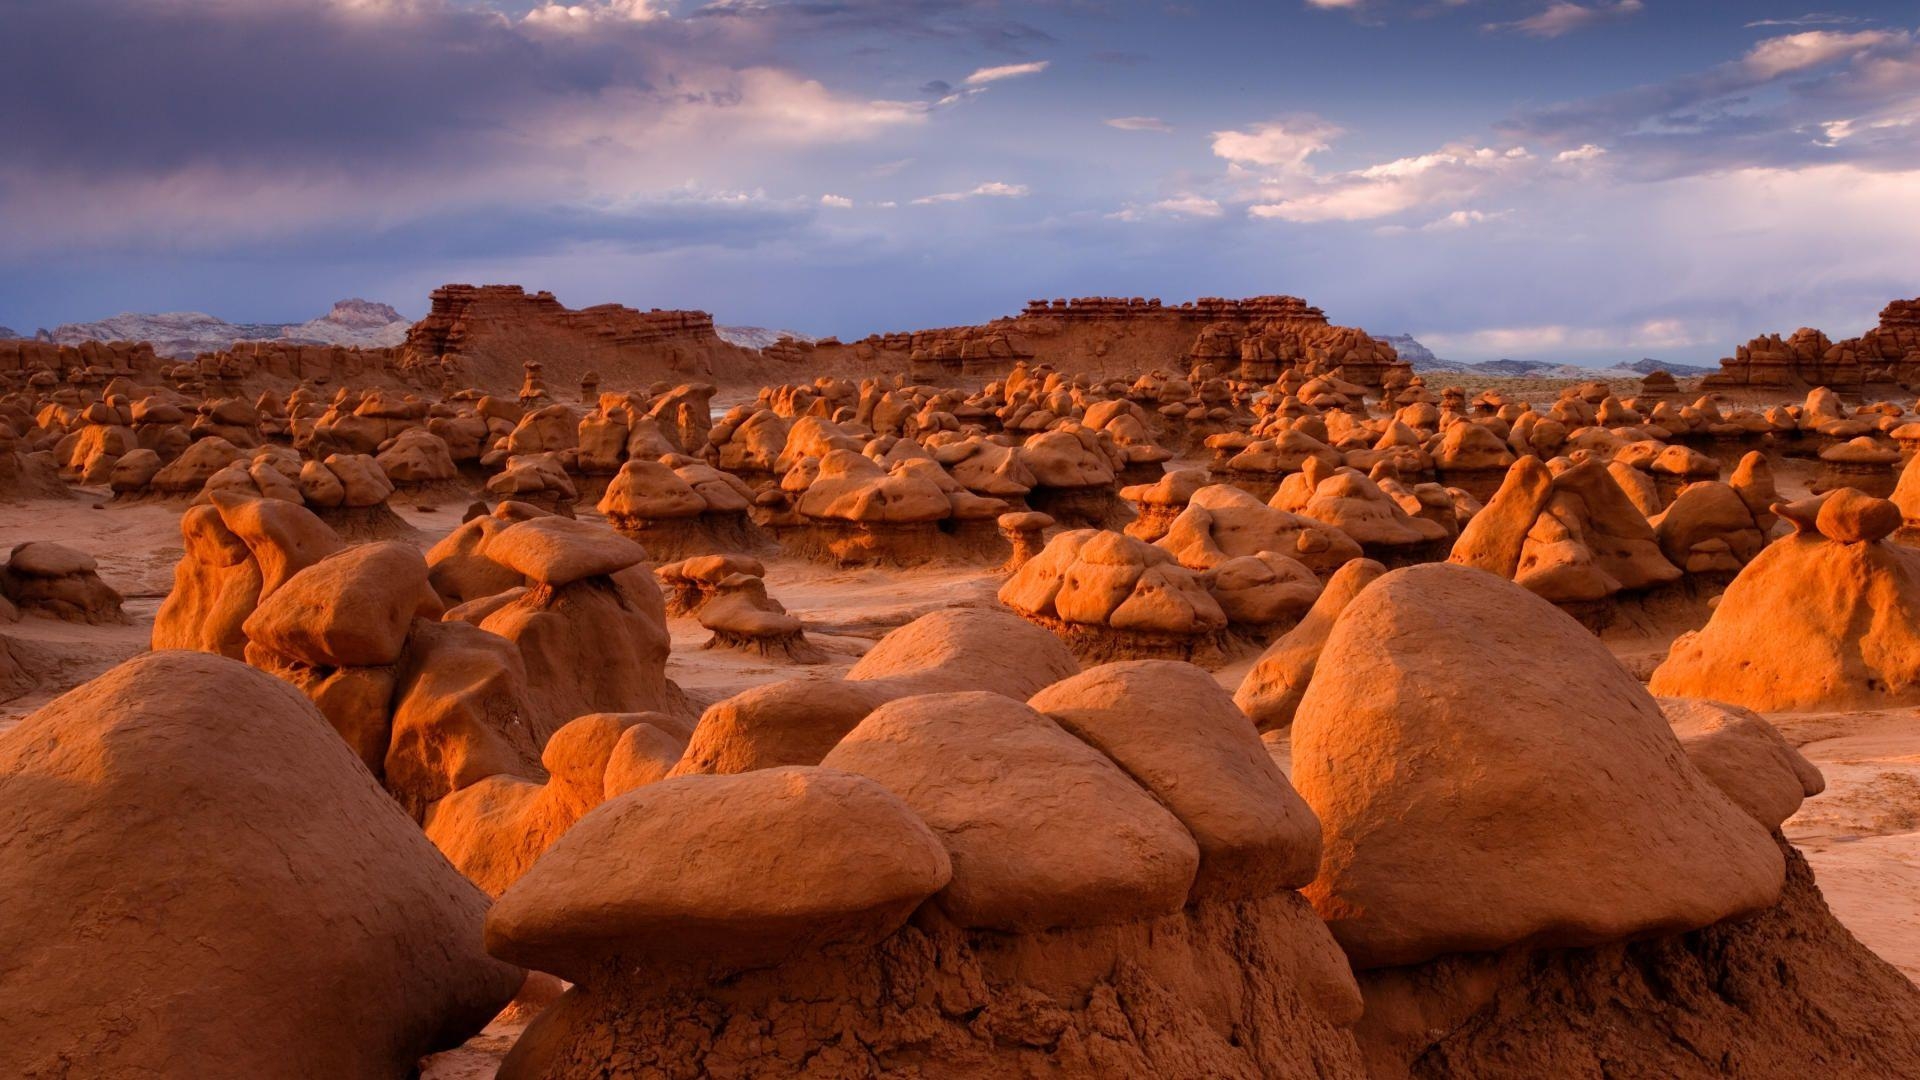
<point>1540,179</point>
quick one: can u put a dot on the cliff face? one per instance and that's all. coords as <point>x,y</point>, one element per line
<point>485,334</point>
<point>1256,337</point>
<point>1887,354</point>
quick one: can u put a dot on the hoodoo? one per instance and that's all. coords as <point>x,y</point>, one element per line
<point>1119,689</point>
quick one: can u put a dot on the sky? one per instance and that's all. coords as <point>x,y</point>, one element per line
<point>1563,180</point>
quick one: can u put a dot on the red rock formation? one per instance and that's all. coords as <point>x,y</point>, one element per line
<point>278,363</point>
<point>20,358</point>
<point>1113,335</point>
<point>488,332</point>
<point>1888,353</point>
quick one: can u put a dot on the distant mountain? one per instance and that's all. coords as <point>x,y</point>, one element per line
<point>184,334</point>
<point>7,334</point>
<point>355,322</point>
<point>1414,353</point>
<point>1515,369</point>
<point>1423,360</point>
<point>1678,371</point>
<point>755,337</point>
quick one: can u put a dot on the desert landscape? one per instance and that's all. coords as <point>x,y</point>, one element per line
<point>959,540</point>
<point>1119,688</point>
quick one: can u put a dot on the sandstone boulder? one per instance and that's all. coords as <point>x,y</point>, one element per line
<point>288,916</point>
<point>1488,775</point>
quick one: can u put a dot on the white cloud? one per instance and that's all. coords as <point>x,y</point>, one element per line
<point>1453,174</point>
<point>1334,5</point>
<point>1005,71</point>
<point>1792,53</point>
<point>993,189</point>
<point>1139,123</point>
<point>1587,152</point>
<point>1179,206</point>
<point>584,16</point>
<point>1564,17</point>
<point>1461,219</point>
<point>1283,144</point>
<point>1190,205</point>
<point>837,202</point>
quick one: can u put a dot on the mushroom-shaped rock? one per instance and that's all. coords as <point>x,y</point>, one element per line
<point>458,564</point>
<point>539,479</point>
<point>690,583</point>
<point>1074,475</point>
<point>1176,732</point>
<point>797,859</point>
<point>648,491</point>
<point>798,721</point>
<point>742,616</point>
<point>134,471</point>
<point>1472,457</point>
<point>673,516</point>
<point>1745,756</point>
<point>1709,529</point>
<point>416,460</point>
<point>285,878</point>
<point>1826,618</point>
<point>1262,593</point>
<point>52,579</point>
<point>559,551</point>
<point>852,487</point>
<point>1906,496</point>
<point>1565,815</point>
<point>1574,538</point>
<point>1674,467</point>
<point>1221,522</point>
<point>1044,831</point>
<point>592,630</point>
<point>1850,516</point>
<point>646,753</point>
<point>1352,503</point>
<point>1158,503</point>
<point>1113,597</point>
<point>1862,463</point>
<point>350,609</point>
<point>967,649</point>
<point>1025,532</point>
<point>188,473</point>
<point>852,511</point>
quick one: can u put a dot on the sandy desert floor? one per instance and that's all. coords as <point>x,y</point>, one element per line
<point>1862,836</point>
